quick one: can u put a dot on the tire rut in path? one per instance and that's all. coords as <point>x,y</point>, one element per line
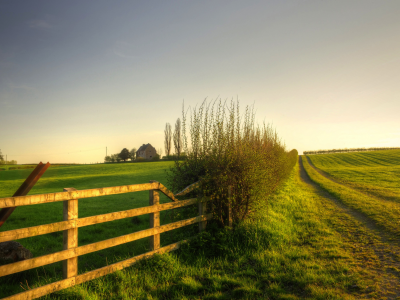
<point>381,250</point>
<point>327,176</point>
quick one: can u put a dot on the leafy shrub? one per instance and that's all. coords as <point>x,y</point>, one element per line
<point>182,156</point>
<point>237,163</point>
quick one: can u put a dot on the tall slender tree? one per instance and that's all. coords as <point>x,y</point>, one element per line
<point>178,137</point>
<point>168,139</point>
<point>1,156</point>
<point>133,154</point>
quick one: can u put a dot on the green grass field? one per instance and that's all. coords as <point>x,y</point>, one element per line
<point>7,167</point>
<point>383,212</point>
<point>86,177</point>
<point>298,247</point>
<point>376,173</point>
<point>364,185</point>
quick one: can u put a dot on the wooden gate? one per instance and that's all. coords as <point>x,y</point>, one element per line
<point>71,223</point>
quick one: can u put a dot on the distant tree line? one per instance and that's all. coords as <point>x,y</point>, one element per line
<point>6,162</point>
<point>124,155</point>
<point>348,150</point>
<point>170,138</point>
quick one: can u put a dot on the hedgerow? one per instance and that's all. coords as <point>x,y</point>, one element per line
<point>237,163</point>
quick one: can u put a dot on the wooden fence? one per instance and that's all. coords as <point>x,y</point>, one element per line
<point>71,223</point>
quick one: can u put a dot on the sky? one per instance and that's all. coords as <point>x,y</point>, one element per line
<point>79,76</point>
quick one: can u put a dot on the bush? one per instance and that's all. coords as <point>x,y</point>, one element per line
<point>182,156</point>
<point>228,151</point>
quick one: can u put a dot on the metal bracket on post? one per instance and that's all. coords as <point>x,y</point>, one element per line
<point>24,189</point>
<point>154,199</point>
<point>70,236</point>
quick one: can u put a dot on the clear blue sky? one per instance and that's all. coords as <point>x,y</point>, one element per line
<point>82,75</point>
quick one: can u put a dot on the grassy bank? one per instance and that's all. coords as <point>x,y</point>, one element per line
<point>296,251</point>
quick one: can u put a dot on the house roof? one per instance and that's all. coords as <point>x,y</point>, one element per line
<point>143,147</point>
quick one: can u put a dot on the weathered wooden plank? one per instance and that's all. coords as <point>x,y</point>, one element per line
<point>189,188</point>
<point>66,254</point>
<point>132,212</point>
<point>24,189</point>
<point>125,263</point>
<point>166,192</point>
<point>79,194</point>
<point>62,284</point>
<point>16,234</point>
<point>154,199</point>
<point>70,236</point>
<point>43,290</point>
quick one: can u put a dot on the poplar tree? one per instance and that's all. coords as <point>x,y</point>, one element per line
<point>178,137</point>
<point>168,139</point>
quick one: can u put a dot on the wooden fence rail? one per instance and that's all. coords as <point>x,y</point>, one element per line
<point>71,251</point>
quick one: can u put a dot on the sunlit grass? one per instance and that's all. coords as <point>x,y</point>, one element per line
<point>376,173</point>
<point>293,252</point>
<point>385,213</point>
<point>293,249</point>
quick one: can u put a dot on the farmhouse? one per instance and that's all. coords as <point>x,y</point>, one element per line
<point>146,151</point>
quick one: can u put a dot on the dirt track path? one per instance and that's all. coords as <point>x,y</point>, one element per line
<point>327,176</point>
<point>322,173</point>
<point>387,252</point>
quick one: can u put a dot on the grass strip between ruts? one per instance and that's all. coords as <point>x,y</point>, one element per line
<point>374,173</point>
<point>385,213</point>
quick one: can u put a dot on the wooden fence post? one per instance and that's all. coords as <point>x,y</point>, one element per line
<point>70,236</point>
<point>202,211</point>
<point>229,208</point>
<point>154,199</point>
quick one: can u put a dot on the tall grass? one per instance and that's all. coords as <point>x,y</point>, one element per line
<point>238,162</point>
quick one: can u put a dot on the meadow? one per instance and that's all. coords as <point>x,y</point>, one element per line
<point>365,185</point>
<point>86,177</point>
<point>11,167</point>
<point>293,248</point>
<point>383,212</point>
<point>376,173</point>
